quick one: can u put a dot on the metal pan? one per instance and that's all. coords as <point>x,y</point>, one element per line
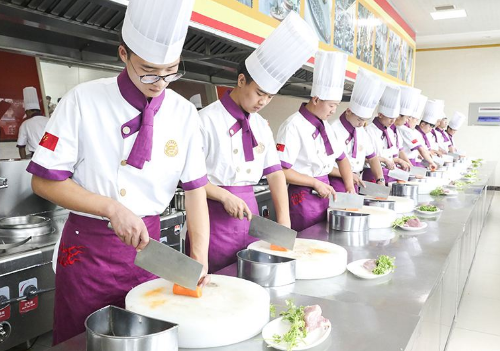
<point>390,205</point>
<point>265,269</point>
<point>348,221</point>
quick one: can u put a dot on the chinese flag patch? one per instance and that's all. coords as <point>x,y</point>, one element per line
<point>280,147</point>
<point>49,141</point>
<point>414,141</point>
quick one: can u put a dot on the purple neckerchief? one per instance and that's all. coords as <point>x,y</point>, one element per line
<point>352,134</point>
<point>443,134</point>
<point>141,150</point>
<point>408,125</point>
<point>450,138</point>
<point>320,127</point>
<point>243,123</point>
<point>433,132</point>
<point>427,142</point>
<point>383,128</point>
<point>393,127</point>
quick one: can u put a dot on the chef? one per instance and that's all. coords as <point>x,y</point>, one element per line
<point>455,123</point>
<point>432,134</point>
<point>349,130</point>
<point>432,112</point>
<point>383,137</point>
<point>308,148</point>
<point>239,145</point>
<point>442,138</point>
<point>32,128</point>
<point>113,153</point>
<point>414,146</point>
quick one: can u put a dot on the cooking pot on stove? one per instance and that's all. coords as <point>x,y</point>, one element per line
<point>25,226</point>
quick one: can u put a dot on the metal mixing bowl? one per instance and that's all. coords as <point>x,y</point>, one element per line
<point>265,269</point>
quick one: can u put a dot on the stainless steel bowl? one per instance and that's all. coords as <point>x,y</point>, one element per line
<point>265,269</point>
<point>435,174</point>
<point>25,226</point>
<point>390,205</point>
<point>346,221</point>
<point>115,329</point>
<point>405,190</point>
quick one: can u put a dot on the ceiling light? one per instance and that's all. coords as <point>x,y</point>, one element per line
<point>439,15</point>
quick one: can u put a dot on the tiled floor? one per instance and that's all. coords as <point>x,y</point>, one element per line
<point>477,327</point>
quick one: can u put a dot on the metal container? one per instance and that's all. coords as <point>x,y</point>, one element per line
<point>265,269</point>
<point>405,190</point>
<point>435,174</point>
<point>115,329</point>
<point>179,200</point>
<point>25,226</point>
<point>390,205</point>
<point>348,221</point>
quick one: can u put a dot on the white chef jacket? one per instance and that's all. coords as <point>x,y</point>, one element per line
<point>363,141</point>
<point>433,140</point>
<point>223,146</point>
<point>31,132</point>
<point>441,141</point>
<point>85,133</point>
<point>379,141</point>
<point>301,147</point>
<point>411,141</point>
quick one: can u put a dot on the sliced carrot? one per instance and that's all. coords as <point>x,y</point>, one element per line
<point>180,290</point>
<point>401,181</point>
<point>351,209</point>
<point>380,198</point>
<point>277,248</point>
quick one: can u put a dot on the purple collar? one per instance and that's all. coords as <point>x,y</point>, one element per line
<point>433,132</point>
<point>320,127</point>
<point>450,137</point>
<point>242,122</point>
<point>352,134</point>
<point>394,129</point>
<point>427,142</point>
<point>444,134</point>
<point>141,150</point>
<point>383,129</point>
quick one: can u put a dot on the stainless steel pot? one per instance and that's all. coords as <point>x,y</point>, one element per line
<point>435,174</point>
<point>25,226</point>
<point>115,329</point>
<point>265,269</point>
<point>405,190</point>
<point>179,200</point>
<point>348,221</point>
<point>390,205</point>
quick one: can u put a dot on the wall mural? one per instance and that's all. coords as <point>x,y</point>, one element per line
<point>343,37</point>
<point>318,13</point>
<point>381,38</point>
<point>366,34</point>
<point>394,54</point>
<point>278,9</point>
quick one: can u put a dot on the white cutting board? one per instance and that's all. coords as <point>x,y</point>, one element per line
<point>315,259</point>
<point>231,310</point>
<point>379,217</point>
<point>402,204</point>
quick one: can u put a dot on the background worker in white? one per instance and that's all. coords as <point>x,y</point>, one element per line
<point>33,126</point>
<point>455,123</point>
<point>114,151</point>
<point>307,146</point>
<point>383,137</point>
<point>432,111</point>
<point>239,145</point>
<point>349,129</point>
<point>442,138</point>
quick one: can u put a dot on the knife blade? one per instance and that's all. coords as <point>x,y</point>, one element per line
<point>345,200</point>
<point>418,171</point>
<point>447,158</point>
<point>438,160</point>
<point>399,174</point>
<point>454,155</point>
<point>169,264</point>
<point>375,190</point>
<point>272,232</point>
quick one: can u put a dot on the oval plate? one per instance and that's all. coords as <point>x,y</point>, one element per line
<point>356,268</point>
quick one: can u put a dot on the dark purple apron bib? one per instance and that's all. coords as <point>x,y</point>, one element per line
<point>415,163</point>
<point>338,184</point>
<point>94,269</point>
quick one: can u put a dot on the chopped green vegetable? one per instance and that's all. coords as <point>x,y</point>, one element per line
<point>385,264</point>
<point>428,208</point>
<point>470,176</point>
<point>402,221</point>
<point>272,310</point>
<point>297,332</point>
<point>438,191</point>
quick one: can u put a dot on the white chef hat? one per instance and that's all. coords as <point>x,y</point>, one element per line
<point>30,99</point>
<point>432,111</point>
<point>457,120</point>
<point>286,49</point>
<point>409,100</point>
<point>390,102</point>
<point>329,75</point>
<point>155,30</point>
<point>417,113</point>
<point>368,88</point>
<point>196,100</point>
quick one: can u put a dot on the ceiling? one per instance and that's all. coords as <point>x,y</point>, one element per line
<point>480,27</point>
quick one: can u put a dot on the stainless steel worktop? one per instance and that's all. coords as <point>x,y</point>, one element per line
<point>393,312</point>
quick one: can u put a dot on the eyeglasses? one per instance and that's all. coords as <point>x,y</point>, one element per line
<point>153,78</point>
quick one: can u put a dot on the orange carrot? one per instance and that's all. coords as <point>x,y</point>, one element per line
<point>180,290</point>
<point>351,209</point>
<point>277,248</point>
<point>401,181</point>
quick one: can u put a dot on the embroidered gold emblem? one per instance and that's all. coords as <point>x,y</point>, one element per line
<point>260,148</point>
<point>171,148</point>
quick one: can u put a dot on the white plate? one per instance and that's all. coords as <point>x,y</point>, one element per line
<point>277,326</point>
<point>414,229</point>
<point>428,213</point>
<point>356,268</point>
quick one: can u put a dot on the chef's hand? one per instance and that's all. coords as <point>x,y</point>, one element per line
<point>324,190</point>
<point>358,181</point>
<point>389,164</point>
<point>236,207</point>
<point>405,166</point>
<point>433,166</point>
<point>205,277</point>
<point>128,227</point>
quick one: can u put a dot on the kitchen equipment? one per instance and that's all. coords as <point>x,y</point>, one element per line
<point>399,174</point>
<point>169,264</point>
<point>272,232</point>
<point>345,200</point>
<point>315,259</point>
<point>375,190</point>
<point>418,171</point>
<point>231,310</point>
<point>180,200</point>
<point>265,269</point>
<point>379,217</point>
<point>25,226</point>
<point>391,205</point>
<point>438,173</point>
<point>114,329</point>
<point>347,221</point>
<point>438,160</point>
<point>7,244</point>
<point>405,190</point>
<point>3,183</point>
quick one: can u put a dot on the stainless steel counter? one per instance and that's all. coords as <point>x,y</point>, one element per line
<point>411,309</point>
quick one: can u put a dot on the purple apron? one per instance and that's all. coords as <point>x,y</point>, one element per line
<point>94,269</point>
<point>370,177</point>
<point>415,163</point>
<point>306,209</point>
<point>338,184</point>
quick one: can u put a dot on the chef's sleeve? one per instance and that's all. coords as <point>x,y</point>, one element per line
<point>271,158</point>
<point>368,145</point>
<point>371,140</point>
<point>22,138</point>
<point>410,140</point>
<point>288,145</point>
<point>57,153</point>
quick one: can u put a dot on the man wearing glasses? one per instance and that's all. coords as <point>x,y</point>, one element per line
<point>114,152</point>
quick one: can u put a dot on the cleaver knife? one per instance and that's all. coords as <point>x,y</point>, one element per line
<point>169,264</point>
<point>399,174</point>
<point>272,232</point>
<point>418,171</point>
<point>347,201</point>
<point>375,190</point>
